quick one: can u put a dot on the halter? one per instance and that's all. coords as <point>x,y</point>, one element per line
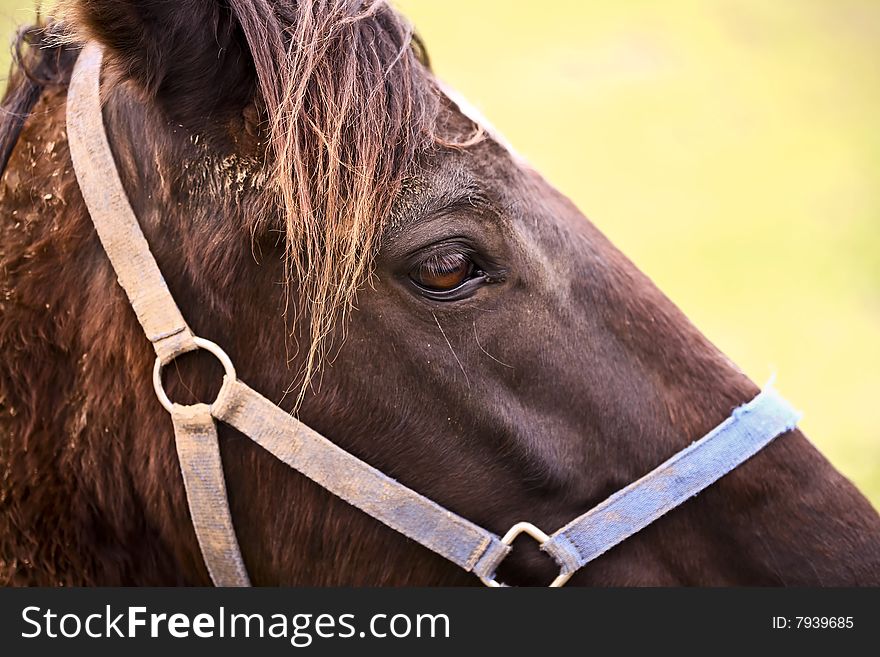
<point>473,548</point>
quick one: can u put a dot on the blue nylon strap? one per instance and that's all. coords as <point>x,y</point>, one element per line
<point>750,428</point>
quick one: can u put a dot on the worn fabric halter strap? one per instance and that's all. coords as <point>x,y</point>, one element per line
<point>473,548</point>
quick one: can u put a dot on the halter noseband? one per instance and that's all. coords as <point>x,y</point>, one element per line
<point>473,548</point>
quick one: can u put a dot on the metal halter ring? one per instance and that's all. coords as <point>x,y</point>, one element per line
<point>541,538</point>
<point>201,343</point>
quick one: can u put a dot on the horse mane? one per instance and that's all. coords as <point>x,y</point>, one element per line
<point>347,103</point>
<point>35,66</point>
<point>350,107</point>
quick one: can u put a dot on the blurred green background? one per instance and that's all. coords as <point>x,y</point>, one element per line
<point>730,148</point>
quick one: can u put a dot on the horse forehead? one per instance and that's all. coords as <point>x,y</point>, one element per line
<point>474,114</point>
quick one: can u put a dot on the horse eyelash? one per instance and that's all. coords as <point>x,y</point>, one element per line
<point>484,266</point>
<point>439,263</point>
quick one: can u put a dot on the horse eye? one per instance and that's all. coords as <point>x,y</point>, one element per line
<point>442,273</point>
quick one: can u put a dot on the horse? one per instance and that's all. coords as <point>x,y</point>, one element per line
<point>380,264</point>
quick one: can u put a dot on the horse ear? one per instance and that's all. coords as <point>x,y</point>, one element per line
<point>189,55</point>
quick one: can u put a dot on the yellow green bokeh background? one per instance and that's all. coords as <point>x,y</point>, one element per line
<point>730,147</point>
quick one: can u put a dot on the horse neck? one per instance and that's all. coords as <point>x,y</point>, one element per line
<point>71,512</point>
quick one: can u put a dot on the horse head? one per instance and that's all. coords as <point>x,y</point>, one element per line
<point>375,259</point>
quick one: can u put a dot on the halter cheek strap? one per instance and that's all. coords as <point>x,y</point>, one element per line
<point>470,546</point>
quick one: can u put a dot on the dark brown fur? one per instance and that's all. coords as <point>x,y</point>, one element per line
<point>568,377</point>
